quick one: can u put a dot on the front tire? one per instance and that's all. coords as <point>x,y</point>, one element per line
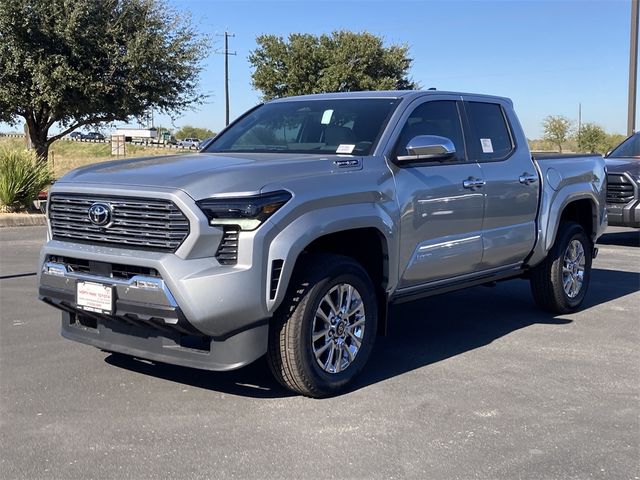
<point>559,284</point>
<point>324,332</point>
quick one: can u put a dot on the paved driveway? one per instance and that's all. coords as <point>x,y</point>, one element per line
<point>473,384</point>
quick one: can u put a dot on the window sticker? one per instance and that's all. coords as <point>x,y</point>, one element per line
<point>326,117</point>
<point>345,148</point>
<point>487,146</point>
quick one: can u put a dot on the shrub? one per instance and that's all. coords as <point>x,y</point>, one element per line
<point>21,179</point>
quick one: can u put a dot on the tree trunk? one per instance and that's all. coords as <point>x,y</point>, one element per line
<point>39,139</point>
<point>42,151</point>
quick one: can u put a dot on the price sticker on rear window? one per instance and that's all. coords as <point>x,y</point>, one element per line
<point>487,146</point>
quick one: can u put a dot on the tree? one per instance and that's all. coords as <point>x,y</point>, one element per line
<point>86,62</point>
<point>193,132</point>
<point>341,62</point>
<point>592,138</point>
<point>556,130</point>
<point>612,141</point>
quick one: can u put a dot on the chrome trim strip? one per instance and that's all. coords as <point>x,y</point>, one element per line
<point>112,281</point>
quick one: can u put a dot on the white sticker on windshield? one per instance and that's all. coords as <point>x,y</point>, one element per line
<point>487,146</point>
<point>326,117</point>
<point>345,148</point>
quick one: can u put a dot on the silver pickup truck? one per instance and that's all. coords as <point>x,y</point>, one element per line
<point>296,228</point>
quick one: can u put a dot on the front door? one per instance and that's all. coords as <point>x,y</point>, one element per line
<point>441,213</point>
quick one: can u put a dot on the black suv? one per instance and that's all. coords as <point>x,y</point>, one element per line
<point>623,183</point>
<point>92,136</point>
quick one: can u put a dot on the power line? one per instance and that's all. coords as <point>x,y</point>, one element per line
<point>226,54</point>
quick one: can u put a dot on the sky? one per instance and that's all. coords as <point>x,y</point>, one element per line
<point>548,56</point>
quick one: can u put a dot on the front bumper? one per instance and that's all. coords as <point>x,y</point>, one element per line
<point>146,320</point>
<point>624,215</point>
<point>172,347</point>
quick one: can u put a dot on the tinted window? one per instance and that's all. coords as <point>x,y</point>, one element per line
<point>629,148</point>
<point>490,138</point>
<point>433,118</point>
<point>347,126</point>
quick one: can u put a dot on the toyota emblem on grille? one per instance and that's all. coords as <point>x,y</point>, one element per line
<point>100,214</point>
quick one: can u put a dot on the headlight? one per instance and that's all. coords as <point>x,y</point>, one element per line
<point>246,212</point>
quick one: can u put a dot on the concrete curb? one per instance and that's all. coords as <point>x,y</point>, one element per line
<point>22,219</point>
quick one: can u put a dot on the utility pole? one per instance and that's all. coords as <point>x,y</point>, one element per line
<point>579,125</point>
<point>226,54</point>
<point>633,68</point>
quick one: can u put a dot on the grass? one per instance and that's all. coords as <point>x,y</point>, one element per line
<point>65,155</point>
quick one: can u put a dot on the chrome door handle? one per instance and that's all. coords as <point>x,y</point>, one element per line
<point>473,183</point>
<point>527,178</point>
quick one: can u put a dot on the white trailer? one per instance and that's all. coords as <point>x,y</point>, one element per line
<point>137,134</point>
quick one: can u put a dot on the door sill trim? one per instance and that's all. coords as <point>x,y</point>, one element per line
<point>415,292</point>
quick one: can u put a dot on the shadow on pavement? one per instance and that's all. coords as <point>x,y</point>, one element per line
<point>254,380</point>
<point>421,333</point>
<point>629,238</point>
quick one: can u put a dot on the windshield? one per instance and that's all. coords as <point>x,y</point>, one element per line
<point>346,126</point>
<point>628,149</point>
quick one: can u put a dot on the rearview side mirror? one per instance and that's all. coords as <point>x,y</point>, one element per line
<point>426,148</point>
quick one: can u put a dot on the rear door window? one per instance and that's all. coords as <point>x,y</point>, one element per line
<point>490,138</point>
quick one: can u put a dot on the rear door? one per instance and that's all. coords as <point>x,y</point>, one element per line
<point>496,142</point>
<point>441,219</point>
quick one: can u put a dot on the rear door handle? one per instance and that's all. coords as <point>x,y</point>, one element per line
<point>527,178</point>
<point>473,183</point>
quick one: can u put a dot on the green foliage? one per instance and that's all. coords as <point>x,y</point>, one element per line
<point>557,130</point>
<point>193,132</point>
<point>22,177</point>
<point>341,62</point>
<point>612,141</point>
<point>591,138</point>
<point>84,62</point>
<point>540,145</point>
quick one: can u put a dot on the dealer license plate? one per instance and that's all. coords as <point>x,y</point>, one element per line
<point>94,297</point>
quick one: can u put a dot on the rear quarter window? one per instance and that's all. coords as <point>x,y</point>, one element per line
<point>490,137</point>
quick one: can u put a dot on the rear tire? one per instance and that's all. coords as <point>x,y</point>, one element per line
<point>323,333</point>
<point>559,284</point>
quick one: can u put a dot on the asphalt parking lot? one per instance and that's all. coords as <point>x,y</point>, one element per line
<point>472,384</point>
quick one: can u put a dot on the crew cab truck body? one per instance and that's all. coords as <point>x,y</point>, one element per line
<point>303,220</point>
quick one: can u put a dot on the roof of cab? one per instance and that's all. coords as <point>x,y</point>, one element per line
<point>383,94</point>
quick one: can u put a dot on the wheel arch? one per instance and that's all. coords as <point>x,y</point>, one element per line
<point>368,238</point>
<point>580,207</point>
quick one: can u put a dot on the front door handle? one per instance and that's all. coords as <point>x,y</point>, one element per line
<point>527,178</point>
<point>473,183</point>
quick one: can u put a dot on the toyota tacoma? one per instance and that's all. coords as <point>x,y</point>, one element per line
<point>292,232</point>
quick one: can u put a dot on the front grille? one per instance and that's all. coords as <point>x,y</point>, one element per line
<point>227,253</point>
<point>619,188</point>
<point>151,224</point>
<point>112,270</point>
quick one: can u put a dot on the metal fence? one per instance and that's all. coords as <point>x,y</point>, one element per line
<point>142,143</point>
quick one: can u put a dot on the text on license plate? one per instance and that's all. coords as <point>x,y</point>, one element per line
<point>94,297</point>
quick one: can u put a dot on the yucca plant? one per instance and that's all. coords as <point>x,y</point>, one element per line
<point>22,177</point>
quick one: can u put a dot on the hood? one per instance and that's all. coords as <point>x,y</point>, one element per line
<point>201,175</point>
<point>622,165</point>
